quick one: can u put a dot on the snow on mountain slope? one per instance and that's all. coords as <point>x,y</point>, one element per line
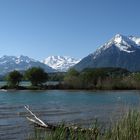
<point>21,63</point>
<point>135,39</point>
<point>14,59</point>
<point>60,63</point>
<point>120,51</point>
<point>123,43</point>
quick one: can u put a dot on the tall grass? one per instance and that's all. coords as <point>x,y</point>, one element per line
<point>127,128</point>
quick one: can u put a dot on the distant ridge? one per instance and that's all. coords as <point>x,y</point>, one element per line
<point>121,51</point>
<point>60,63</point>
<point>20,63</point>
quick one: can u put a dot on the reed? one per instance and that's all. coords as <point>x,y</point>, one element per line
<point>127,128</point>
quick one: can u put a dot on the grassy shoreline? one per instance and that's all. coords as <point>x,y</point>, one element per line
<point>64,88</point>
<point>127,128</point>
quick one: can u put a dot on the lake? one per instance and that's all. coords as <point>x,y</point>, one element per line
<point>55,106</point>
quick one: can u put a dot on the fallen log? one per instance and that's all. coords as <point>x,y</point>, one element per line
<point>34,119</point>
<point>37,121</point>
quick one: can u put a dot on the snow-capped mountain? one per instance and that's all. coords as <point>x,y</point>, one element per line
<point>21,63</point>
<point>60,63</point>
<point>135,39</point>
<point>121,51</point>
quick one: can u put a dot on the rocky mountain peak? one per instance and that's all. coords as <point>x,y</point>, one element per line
<point>120,51</point>
<point>60,63</point>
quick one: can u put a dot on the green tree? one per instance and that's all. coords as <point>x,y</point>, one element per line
<point>72,72</point>
<point>90,77</point>
<point>36,75</point>
<point>14,78</point>
<point>72,79</point>
<point>134,79</point>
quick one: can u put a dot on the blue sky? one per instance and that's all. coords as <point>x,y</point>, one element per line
<point>40,28</point>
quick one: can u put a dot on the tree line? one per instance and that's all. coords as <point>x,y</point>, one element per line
<point>102,78</point>
<point>97,78</point>
<point>36,75</point>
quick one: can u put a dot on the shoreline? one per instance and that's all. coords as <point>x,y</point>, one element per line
<point>70,89</point>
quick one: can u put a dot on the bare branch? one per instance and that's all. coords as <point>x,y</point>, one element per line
<point>36,119</point>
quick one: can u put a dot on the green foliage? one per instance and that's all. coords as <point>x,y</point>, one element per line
<point>132,80</point>
<point>72,72</point>
<point>98,78</point>
<point>127,128</point>
<point>72,79</point>
<point>37,76</point>
<point>66,133</point>
<point>14,78</point>
<point>136,76</point>
<point>57,76</point>
<point>72,82</point>
<point>111,72</point>
<point>91,76</point>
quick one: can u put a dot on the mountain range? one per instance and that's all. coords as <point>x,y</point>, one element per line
<point>21,63</point>
<point>120,51</point>
<point>60,63</point>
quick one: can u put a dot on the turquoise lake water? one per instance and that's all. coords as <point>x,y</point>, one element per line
<point>55,106</point>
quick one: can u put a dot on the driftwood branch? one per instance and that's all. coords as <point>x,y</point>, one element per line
<point>34,119</point>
